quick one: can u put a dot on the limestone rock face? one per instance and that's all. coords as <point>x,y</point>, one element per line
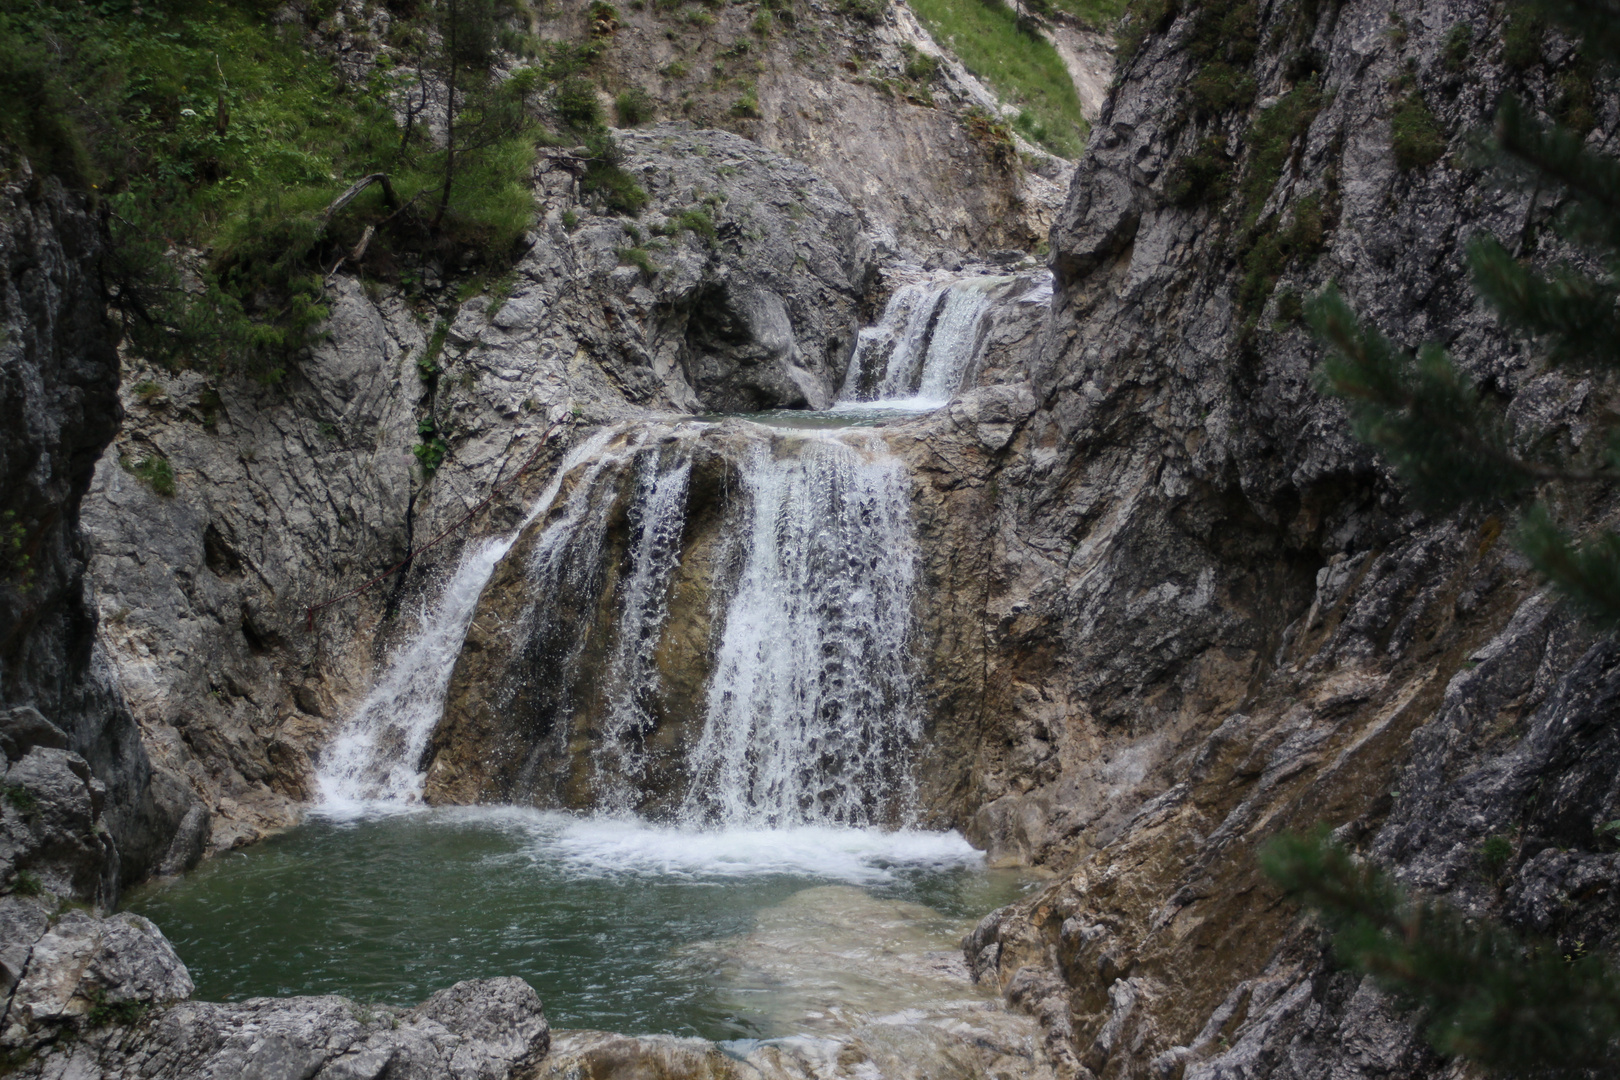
<point>486,1029</point>
<point>71,748</point>
<point>1206,613</point>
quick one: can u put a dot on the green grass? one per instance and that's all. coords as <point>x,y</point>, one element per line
<point>1021,67</point>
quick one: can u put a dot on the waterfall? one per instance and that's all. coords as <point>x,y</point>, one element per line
<point>658,515</point>
<point>807,714</point>
<point>927,341</point>
<point>377,753</point>
<point>809,710</point>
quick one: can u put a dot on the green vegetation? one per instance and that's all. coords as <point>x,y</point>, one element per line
<point>1459,43</point>
<point>1522,35</point>
<point>27,884</point>
<point>228,151</point>
<point>1495,854</point>
<point>1018,63</point>
<point>148,391</point>
<point>633,107</point>
<point>1418,137</point>
<point>639,258</point>
<point>1202,177</point>
<point>1099,15</point>
<point>1223,42</point>
<point>1454,445</point>
<point>16,564</point>
<point>993,134</point>
<point>1516,1007</point>
<point>20,799</point>
<point>695,220</point>
<point>154,471</point>
<point>105,1013</point>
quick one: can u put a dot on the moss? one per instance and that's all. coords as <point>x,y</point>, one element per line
<point>1417,136</point>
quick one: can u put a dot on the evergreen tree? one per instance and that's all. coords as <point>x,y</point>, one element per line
<point>1451,444</point>
<point>1517,1007</point>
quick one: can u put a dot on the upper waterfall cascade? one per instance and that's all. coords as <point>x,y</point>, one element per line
<point>930,340</point>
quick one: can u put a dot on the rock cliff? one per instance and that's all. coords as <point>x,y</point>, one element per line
<point>83,810</point>
<point>1210,616</point>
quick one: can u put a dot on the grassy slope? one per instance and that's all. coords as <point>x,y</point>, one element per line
<point>1023,69</point>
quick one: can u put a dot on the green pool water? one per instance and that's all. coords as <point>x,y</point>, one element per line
<point>618,925</point>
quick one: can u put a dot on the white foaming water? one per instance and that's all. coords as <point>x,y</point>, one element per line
<point>605,846</point>
<point>927,342</point>
<point>378,751</point>
<point>659,518</point>
<point>809,707</point>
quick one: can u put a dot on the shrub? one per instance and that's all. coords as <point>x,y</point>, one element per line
<point>1220,87</point>
<point>746,106</point>
<point>633,107</point>
<point>27,884</point>
<point>1418,138</point>
<point>575,105</point>
<point>1495,854</point>
<point>1201,178</point>
<point>696,220</point>
<point>1458,43</point>
<point>155,472</point>
<point>639,258</point>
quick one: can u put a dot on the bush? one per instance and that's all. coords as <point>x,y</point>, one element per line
<point>1418,138</point>
<point>639,258</point>
<point>1201,178</point>
<point>575,105</point>
<point>155,472</point>
<point>633,107</point>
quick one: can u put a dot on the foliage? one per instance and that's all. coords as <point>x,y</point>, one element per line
<point>16,564</point>
<point>1012,57</point>
<point>27,884</point>
<point>106,1013</point>
<point>1458,44</point>
<point>867,11</point>
<point>639,258</point>
<point>993,134</point>
<point>20,799</point>
<point>696,220</point>
<point>1202,177</point>
<point>215,138</point>
<point>633,107</point>
<point>1455,446</point>
<point>1223,42</point>
<point>1516,1006</point>
<point>154,471</point>
<point>1418,137</point>
<point>1275,138</point>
